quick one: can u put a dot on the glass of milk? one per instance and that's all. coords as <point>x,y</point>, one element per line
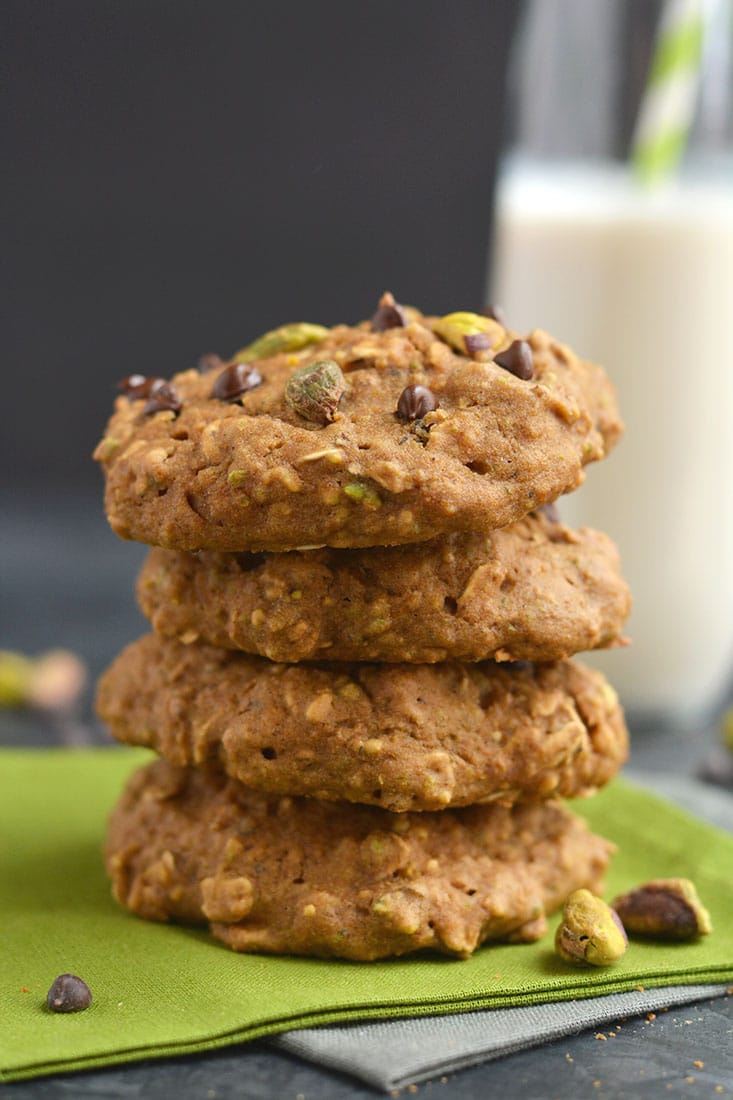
<point>642,282</point>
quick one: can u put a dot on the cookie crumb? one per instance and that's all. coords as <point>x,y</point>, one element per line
<point>569,1058</point>
<point>24,989</point>
<point>698,1064</point>
<point>651,1016</point>
<point>689,1080</point>
<point>444,1080</point>
<point>412,1088</point>
<point>600,1035</point>
<point>596,1084</point>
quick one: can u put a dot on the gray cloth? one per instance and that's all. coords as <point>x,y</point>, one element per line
<point>391,1054</point>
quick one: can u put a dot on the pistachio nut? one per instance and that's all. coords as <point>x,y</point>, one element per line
<point>590,931</point>
<point>666,908</point>
<point>469,333</point>
<point>285,338</point>
<point>52,681</point>
<point>314,391</point>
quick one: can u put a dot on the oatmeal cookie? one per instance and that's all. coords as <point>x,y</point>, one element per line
<point>355,436</point>
<point>296,876</point>
<point>404,737</point>
<point>533,591</point>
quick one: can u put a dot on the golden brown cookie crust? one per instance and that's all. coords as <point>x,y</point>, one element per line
<point>254,475</point>
<point>403,737</point>
<point>533,591</point>
<point>296,876</point>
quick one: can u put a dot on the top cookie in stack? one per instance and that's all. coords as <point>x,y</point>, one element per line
<point>392,431</point>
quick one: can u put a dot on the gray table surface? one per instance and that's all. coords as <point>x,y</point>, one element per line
<point>65,580</point>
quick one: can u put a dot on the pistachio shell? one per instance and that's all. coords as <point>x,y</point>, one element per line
<point>286,338</point>
<point>664,909</point>
<point>455,327</point>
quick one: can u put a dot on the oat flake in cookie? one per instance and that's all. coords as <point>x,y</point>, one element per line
<point>297,876</point>
<point>403,737</point>
<point>533,591</point>
<point>224,459</point>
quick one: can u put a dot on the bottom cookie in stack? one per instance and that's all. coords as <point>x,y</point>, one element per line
<point>299,876</point>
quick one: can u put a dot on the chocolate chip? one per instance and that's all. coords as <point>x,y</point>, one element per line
<point>415,402</point>
<point>477,341</point>
<point>136,386</point>
<point>517,359</point>
<point>495,313</point>
<point>68,994</point>
<point>237,379</point>
<point>209,361</point>
<point>390,314</point>
<point>163,398</point>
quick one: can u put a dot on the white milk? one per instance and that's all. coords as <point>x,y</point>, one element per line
<point>643,284</point>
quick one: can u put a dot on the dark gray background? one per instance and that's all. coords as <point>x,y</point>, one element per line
<point>179,176</point>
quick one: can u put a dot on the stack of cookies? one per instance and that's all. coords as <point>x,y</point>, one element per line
<point>363,606</point>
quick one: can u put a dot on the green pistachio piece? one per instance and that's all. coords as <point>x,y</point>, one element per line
<point>315,390</point>
<point>590,931</point>
<point>286,338</point>
<point>357,490</point>
<point>666,908</point>
<point>469,333</point>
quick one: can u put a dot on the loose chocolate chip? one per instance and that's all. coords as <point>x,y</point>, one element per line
<point>390,314</point>
<point>517,359</point>
<point>237,379</point>
<point>415,402</point>
<point>68,994</point>
<point>209,361</point>
<point>495,313</point>
<point>477,341</point>
<point>163,398</point>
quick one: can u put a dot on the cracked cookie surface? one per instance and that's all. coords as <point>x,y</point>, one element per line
<point>251,473</point>
<point>295,876</point>
<point>533,591</point>
<point>403,737</point>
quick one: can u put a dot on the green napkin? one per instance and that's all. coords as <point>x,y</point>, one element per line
<point>162,990</point>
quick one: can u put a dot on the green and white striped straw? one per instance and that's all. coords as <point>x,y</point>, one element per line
<point>668,104</point>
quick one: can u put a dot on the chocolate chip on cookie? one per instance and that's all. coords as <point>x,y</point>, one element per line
<point>415,402</point>
<point>517,359</point>
<point>389,314</point>
<point>163,398</point>
<point>236,379</point>
<point>208,362</point>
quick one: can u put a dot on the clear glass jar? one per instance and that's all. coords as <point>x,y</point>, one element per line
<point>641,280</point>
